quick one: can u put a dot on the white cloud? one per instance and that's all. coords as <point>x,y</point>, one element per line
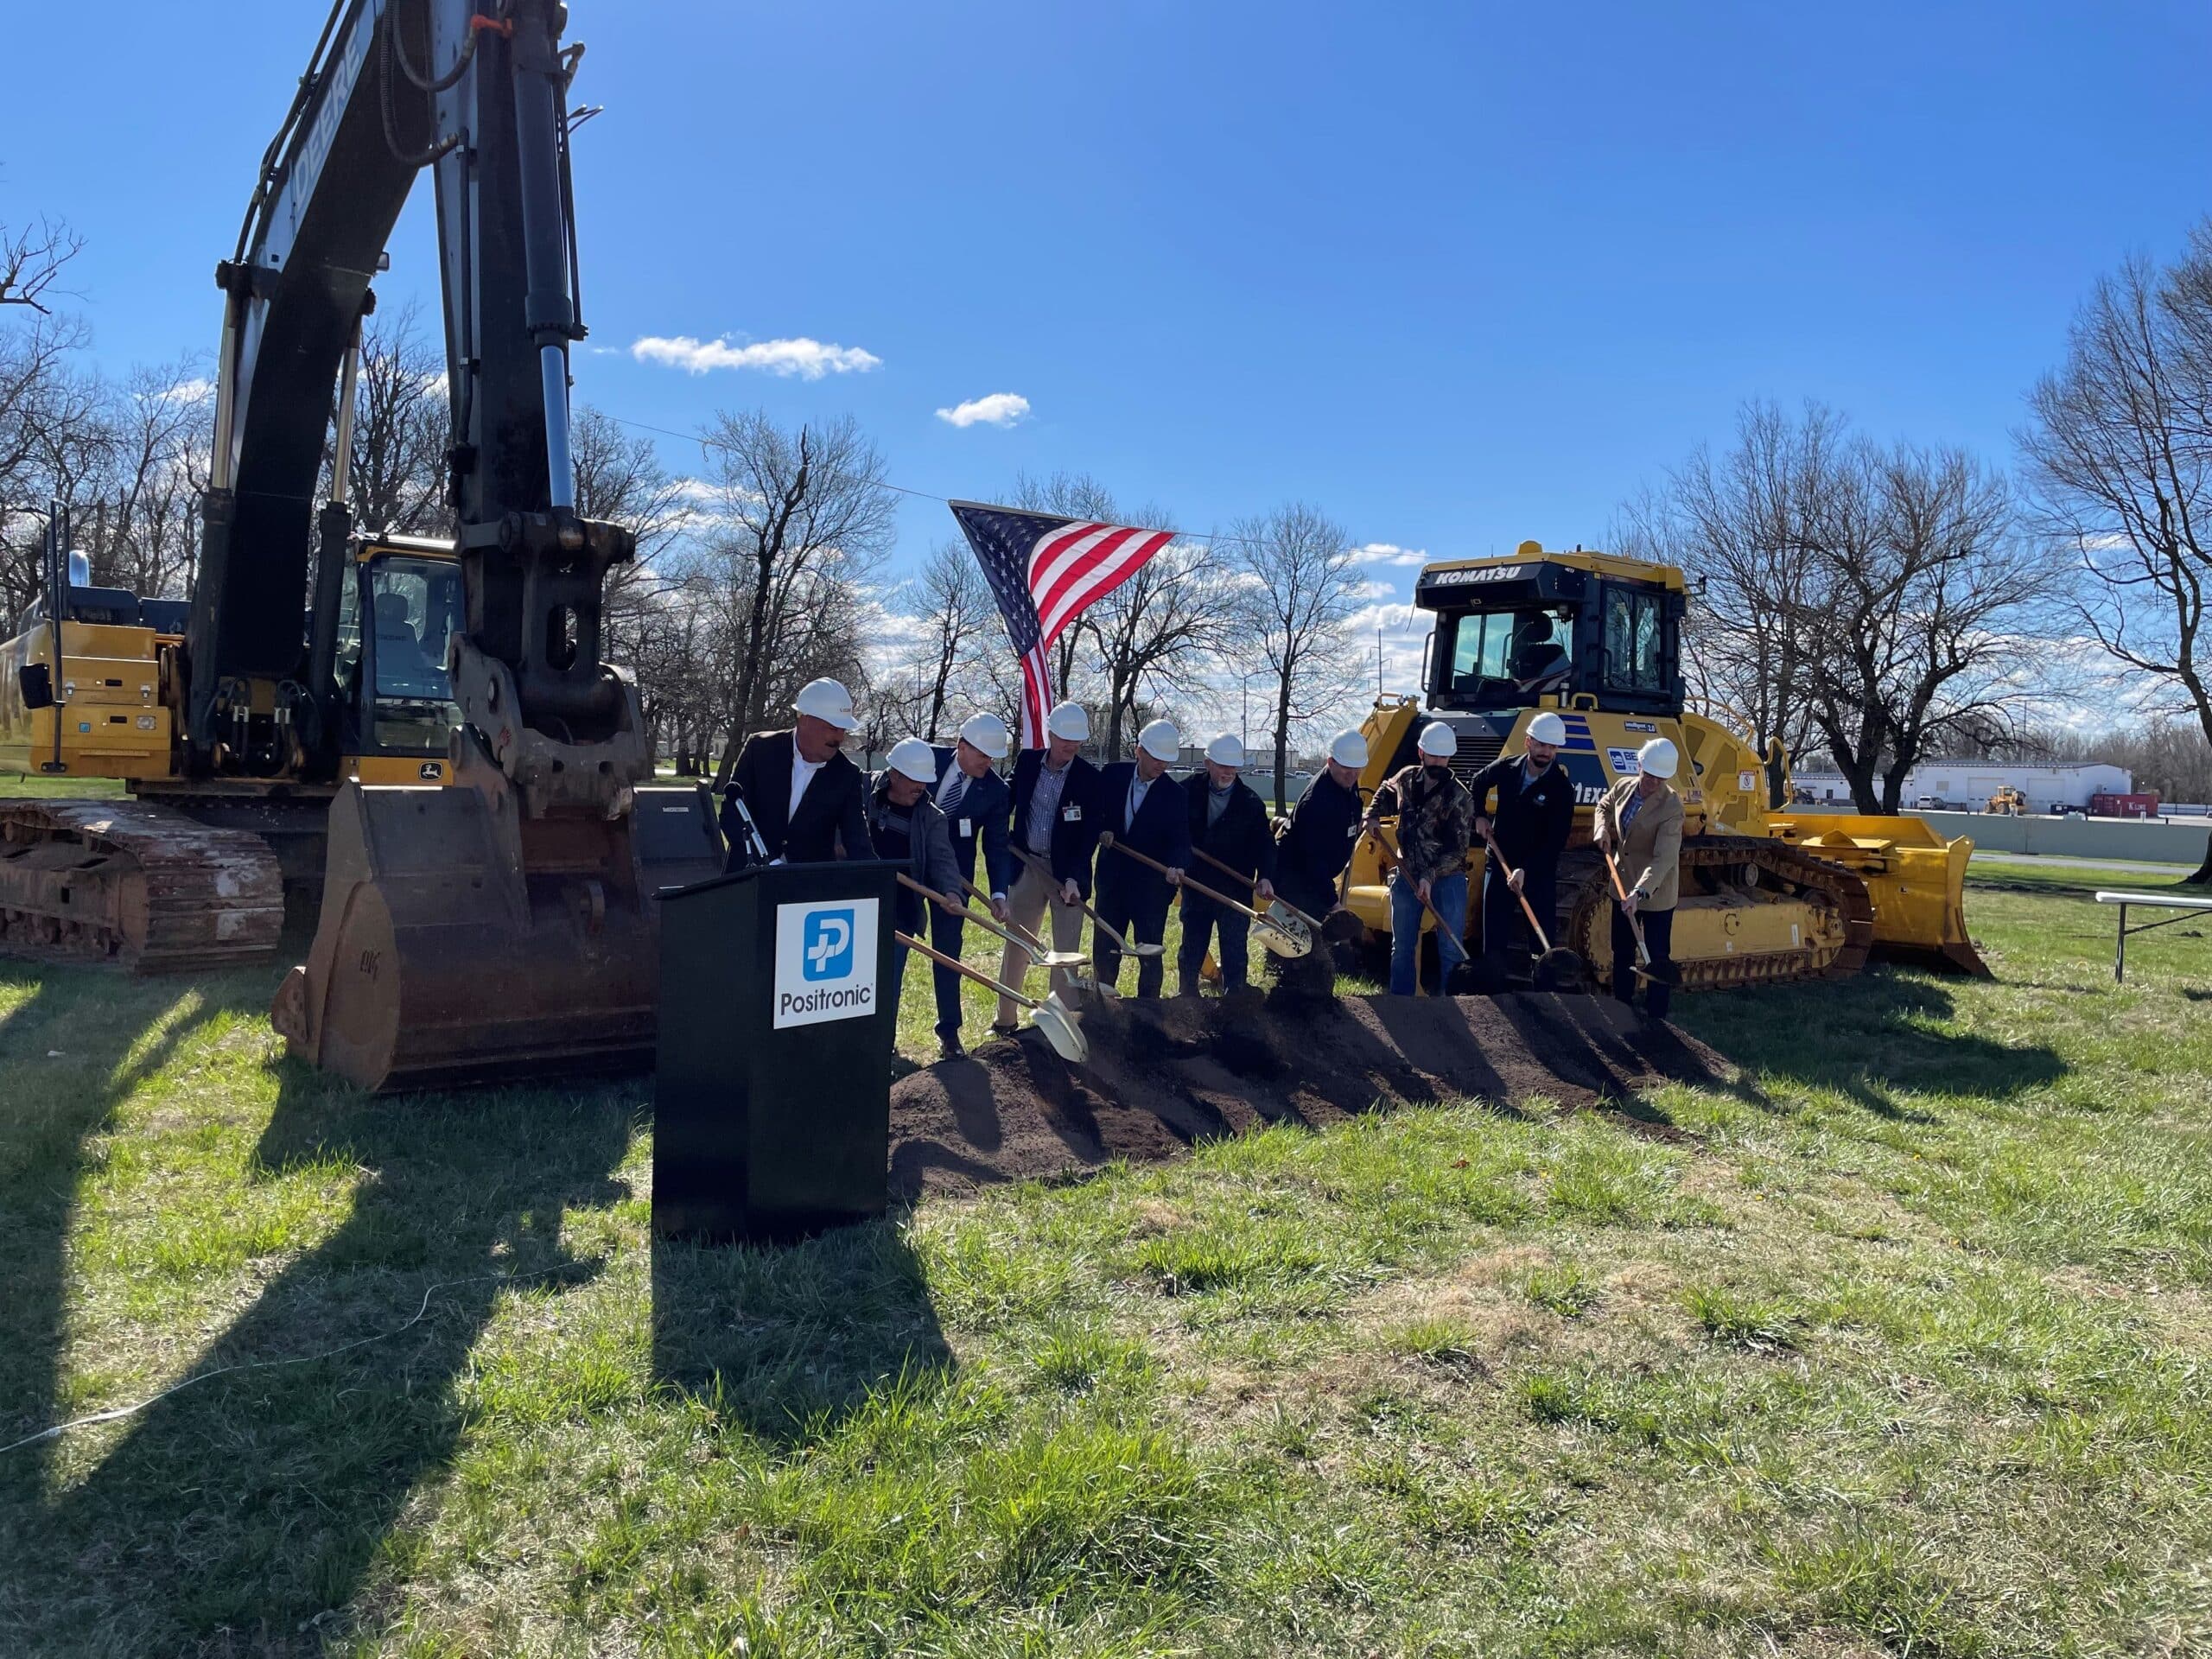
<point>194,390</point>
<point>1371,589</point>
<point>1389,553</point>
<point>999,409</point>
<point>808,359</point>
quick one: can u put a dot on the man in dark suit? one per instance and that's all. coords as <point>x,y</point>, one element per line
<point>807,801</point>
<point>1530,824</point>
<point>1147,810</point>
<point>1055,825</point>
<point>1317,844</point>
<point>976,806</point>
<point>1227,822</point>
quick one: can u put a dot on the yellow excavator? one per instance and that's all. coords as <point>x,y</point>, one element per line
<point>460,765</point>
<point>189,870</point>
<point>1767,895</point>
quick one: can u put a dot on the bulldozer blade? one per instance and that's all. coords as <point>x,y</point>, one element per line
<point>459,944</point>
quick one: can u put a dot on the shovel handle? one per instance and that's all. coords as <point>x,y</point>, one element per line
<point>1029,941</point>
<point>1527,909</point>
<point>989,925</point>
<point>1253,882</point>
<point>1635,922</point>
<point>960,966</point>
<point>1044,869</point>
<point>1203,890</point>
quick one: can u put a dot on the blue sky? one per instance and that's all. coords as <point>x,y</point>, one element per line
<point>1460,275</point>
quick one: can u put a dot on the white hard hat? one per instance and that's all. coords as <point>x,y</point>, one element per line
<point>1227,750</point>
<point>1071,721</point>
<point>989,734</point>
<point>913,758</point>
<point>1439,740</point>
<point>1348,749</point>
<point>1548,727</point>
<point>828,701</point>
<point>1657,758</point>
<point>1161,740</point>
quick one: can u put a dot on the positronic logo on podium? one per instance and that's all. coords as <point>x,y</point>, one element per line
<point>825,962</point>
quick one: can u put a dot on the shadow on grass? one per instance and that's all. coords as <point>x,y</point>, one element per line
<point>73,1049</point>
<point>1872,1037</point>
<point>787,1340</point>
<point>247,1505</point>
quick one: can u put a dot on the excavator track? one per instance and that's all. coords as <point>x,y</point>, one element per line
<point>1834,900</point>
<point>140,886</point>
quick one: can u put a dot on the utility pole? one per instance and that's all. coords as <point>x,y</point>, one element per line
<point>1378,659</point>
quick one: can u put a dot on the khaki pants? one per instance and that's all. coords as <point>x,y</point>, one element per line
<point>1032,895</point>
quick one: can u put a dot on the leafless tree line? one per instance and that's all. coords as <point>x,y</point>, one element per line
<point>1868,602</point>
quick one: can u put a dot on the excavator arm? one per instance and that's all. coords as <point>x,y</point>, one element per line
<point>394,86</point>
<point>504,927</point>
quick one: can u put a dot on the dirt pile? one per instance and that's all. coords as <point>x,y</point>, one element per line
<point>1164,1074</point>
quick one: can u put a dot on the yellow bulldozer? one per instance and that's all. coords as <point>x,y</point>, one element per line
<point>1767,895</point>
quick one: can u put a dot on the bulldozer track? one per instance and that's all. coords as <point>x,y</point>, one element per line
<point>141,886</point>
<point>1585,904</point>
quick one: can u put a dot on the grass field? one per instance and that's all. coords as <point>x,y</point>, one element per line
<point>1903,1346</point>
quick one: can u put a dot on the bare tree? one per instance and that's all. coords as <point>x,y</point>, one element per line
<point>1158,633</point>
<point>802,523</point>
<point>1877,602</point>
<point>401,419</point>
<point>955,616</point>
<point>1294,586</point>
<point>159,426</point>
<point>2119,451</point>
<point>1921,614</point>
<point>31,261</point>
<point>1734,524</point>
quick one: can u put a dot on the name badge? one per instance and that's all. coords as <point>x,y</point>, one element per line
<point>1072,815</point>
<point>966,830</point>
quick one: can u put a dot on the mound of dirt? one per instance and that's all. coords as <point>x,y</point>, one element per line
<point>1164,1074</point>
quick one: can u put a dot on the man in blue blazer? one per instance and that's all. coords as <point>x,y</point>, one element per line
<point>975,804</point>
<point>1053,840</point>
<point>1147,810</point>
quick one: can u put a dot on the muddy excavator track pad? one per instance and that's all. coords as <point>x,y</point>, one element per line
<point>139,886</point>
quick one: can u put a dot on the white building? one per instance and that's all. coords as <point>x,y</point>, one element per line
<point>1968,785</point>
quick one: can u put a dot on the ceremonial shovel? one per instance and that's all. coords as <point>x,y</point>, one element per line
<point>1281,913</point>
<point>1283,938</point>
<point>1051,1016</point>
<point>1558,967</point>
<point>1098,921</point>
<point>1034,947</point>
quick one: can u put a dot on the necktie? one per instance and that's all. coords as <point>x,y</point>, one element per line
<point>953,791</point>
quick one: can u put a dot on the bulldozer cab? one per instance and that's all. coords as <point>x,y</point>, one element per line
<point>1565,630</point>
<point>400,604</point>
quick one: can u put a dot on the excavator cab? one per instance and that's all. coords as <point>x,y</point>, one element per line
<point>399,606</point>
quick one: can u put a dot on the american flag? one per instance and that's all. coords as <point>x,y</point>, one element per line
<point>1044,571</point>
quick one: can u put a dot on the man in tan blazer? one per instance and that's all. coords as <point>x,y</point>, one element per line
<point>1640,823</point>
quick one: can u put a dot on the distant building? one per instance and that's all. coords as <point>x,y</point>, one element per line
<point>1967,785</point>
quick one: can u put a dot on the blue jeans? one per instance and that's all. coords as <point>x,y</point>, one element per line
<point>1448,893</point>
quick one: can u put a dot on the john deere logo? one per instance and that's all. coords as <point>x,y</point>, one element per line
<point>830,945</point>
<point>433,770</point>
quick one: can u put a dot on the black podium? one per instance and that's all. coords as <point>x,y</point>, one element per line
<point>771,1106</point>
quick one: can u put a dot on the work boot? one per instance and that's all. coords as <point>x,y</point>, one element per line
<point>1004,1029</point>
<point>948,1045</point>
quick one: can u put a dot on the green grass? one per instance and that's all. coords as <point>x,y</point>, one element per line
<point>1905,1347</point>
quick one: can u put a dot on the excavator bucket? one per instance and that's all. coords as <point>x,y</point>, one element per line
<point>460,943</point>
<point>1914,878</point>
